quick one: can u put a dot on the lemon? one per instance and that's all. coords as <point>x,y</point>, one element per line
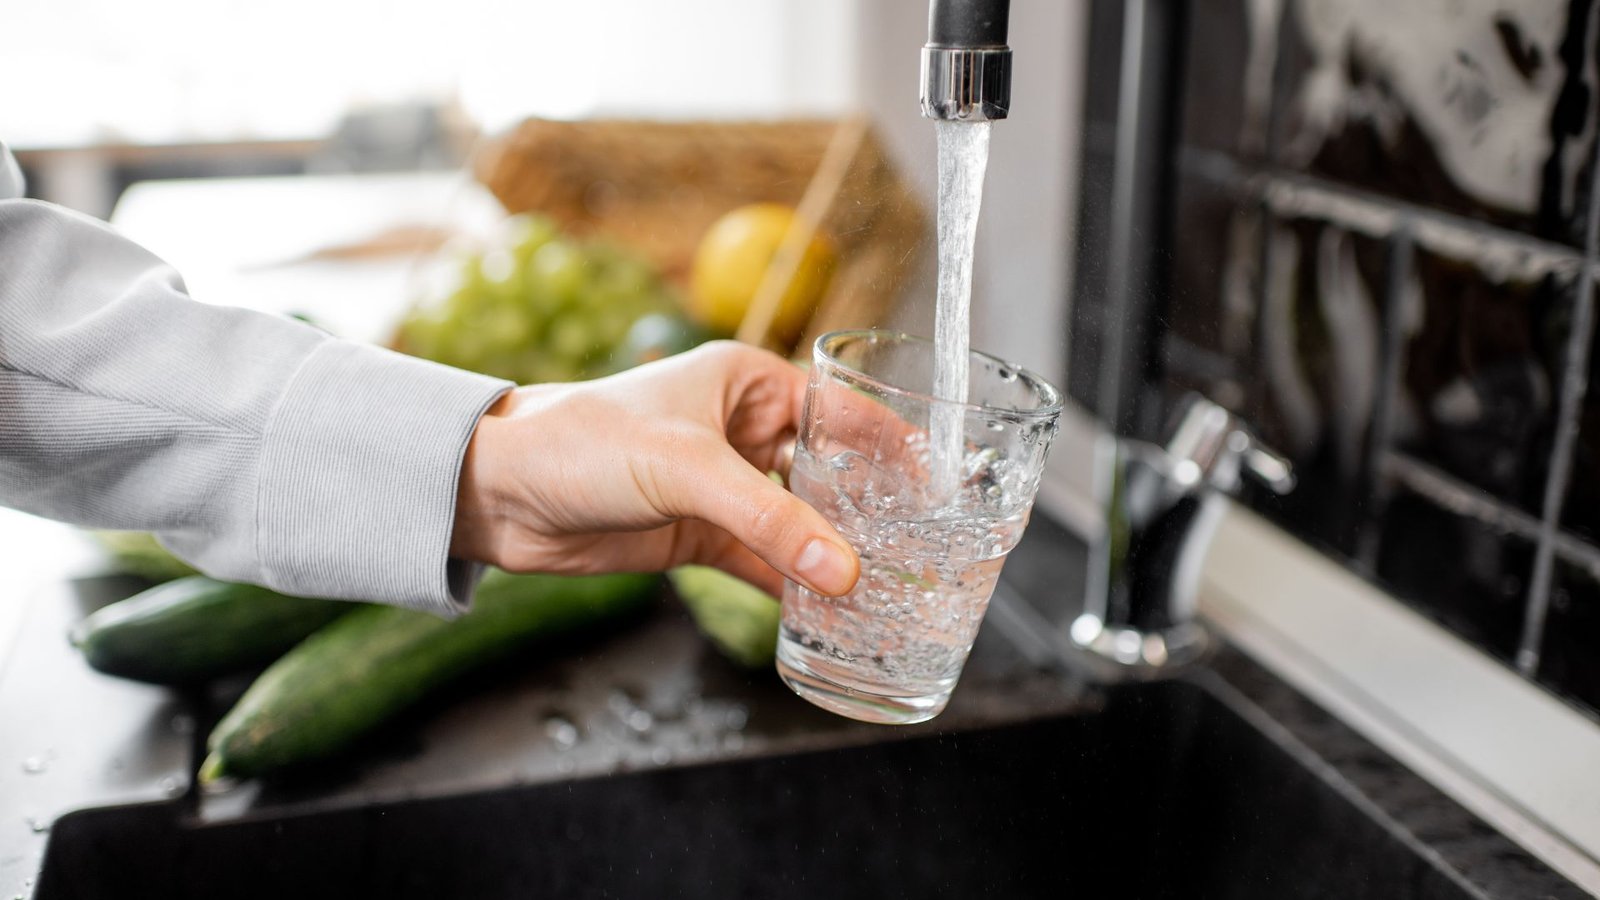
<point>734,255</point>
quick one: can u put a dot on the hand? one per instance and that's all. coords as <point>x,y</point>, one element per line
<point>658,466</point>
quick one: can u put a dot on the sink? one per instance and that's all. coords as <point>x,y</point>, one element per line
<point>1164,790</point>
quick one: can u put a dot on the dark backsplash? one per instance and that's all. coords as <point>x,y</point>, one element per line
<point>1367,227</point>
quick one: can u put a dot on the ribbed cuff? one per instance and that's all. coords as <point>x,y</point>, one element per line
<point>359,469</point>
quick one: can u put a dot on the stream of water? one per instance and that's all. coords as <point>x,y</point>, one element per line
<point>963,159</point>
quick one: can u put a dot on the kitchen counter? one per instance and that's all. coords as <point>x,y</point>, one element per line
<point>653,697</point>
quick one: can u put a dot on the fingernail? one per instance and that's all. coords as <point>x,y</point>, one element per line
<point>826,567</point>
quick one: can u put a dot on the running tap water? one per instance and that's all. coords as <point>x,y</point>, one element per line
<point>966,83</point>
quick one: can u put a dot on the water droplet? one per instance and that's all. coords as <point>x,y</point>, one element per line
<point>35,765</point>
<point>620,702</point>
<point>170,786</point>
<point>37,826</point>
<point>561,732</point>
<point>639,720</point>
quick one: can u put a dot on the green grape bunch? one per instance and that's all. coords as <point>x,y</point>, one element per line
<point>536,305</point>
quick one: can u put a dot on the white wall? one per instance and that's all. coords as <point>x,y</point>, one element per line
<point>164,71</point>
<point>1025,232</point>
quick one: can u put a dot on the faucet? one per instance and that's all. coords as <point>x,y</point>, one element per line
<point>1162,505</point>
<point>966,65</point>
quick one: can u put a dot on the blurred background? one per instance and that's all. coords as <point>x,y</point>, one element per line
<point>181,89</point>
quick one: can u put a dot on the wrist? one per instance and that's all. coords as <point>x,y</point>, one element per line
<point>479,513</point>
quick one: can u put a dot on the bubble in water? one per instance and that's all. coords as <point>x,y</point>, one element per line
<point>661,756</point>
<point>925,578</point>
<point>37,825</point>
<point>980,463</point>
<point>736,717</point>
<point>847,463</point>
<point>639,720</point>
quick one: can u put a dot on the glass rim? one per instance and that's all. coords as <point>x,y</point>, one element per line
<point>820,356</point>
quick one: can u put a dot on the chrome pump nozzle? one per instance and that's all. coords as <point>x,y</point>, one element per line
<point>966,65</point>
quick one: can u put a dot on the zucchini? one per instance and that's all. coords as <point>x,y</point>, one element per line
<point>740,619</point>
<point>363,670</point>
<point>194,629</point>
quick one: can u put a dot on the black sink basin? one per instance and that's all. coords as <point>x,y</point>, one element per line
<point>1164,792</point>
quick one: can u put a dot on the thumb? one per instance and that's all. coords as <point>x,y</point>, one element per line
<point>775,524</point>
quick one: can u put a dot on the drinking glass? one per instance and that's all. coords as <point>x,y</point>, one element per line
<point>932,528</point>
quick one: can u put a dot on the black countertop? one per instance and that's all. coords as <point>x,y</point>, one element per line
<point>654,696</point>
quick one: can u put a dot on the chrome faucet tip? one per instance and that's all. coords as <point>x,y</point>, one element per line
<point>965,84</point>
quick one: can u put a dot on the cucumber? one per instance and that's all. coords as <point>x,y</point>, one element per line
<point>740,619</point>
<point>194,629</point>
<point>363,670</point>
<point>139,553</point>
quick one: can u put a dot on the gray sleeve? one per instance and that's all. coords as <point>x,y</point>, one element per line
<point>257,448</point>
